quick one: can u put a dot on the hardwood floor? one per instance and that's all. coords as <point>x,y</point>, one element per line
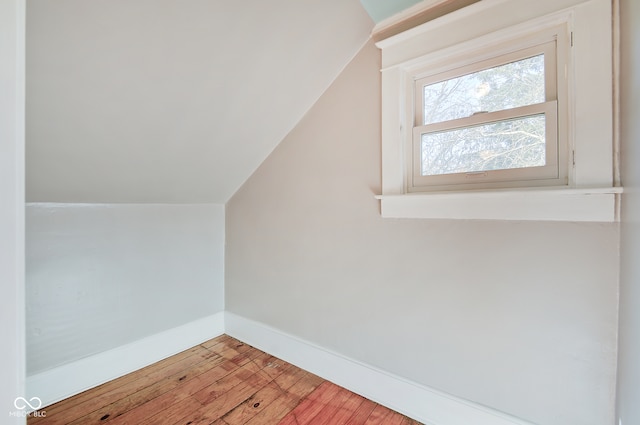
<point>219,382</point>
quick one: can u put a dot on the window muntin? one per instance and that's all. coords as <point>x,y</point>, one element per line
<point>490,123</point>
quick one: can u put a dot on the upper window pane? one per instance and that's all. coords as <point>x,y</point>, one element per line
<point>512,85</point>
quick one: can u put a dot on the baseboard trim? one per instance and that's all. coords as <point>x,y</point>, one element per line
<point>424,404</point>
<point>419,402</point>
<point>64,381</point>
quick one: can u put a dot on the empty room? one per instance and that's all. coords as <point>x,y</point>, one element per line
<point>320,212</point>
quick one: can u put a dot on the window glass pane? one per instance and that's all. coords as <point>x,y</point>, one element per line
<point>516,143</point>
<point>507,86</point>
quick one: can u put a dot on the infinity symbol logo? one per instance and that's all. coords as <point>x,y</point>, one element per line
<point>21,403</point>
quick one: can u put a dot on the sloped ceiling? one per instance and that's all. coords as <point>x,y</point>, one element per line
<point>174,101</point>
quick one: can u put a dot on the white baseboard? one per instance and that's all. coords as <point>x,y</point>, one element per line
<point>419,402</point>
<point>70,379</point>
<point>422,403</point>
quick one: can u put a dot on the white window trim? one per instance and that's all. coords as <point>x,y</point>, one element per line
<point>589,194</point>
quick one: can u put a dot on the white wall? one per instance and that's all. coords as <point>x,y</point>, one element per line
<point>12,29</point>
<point>518,316</point>
<point>629,367</point>
<point>103,275</point>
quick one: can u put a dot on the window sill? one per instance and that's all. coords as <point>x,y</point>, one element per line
<point>538,204</point>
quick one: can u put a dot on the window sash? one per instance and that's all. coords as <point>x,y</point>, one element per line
<point>550,71</point>
<point>465,180</point>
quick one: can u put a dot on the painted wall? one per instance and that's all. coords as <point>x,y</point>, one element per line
<point>518,316</point>
<point>103,275</point>
<point>12,31</point>
<point>382,9</point>
<point>629,368</point>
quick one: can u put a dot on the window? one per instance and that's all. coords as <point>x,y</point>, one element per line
<point>489,123</point>
<point>501,110</point>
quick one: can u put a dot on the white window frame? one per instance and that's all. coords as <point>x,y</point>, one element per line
<point>553,45</point>
<point>583,189</point>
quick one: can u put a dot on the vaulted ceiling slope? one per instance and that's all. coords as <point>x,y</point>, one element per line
<point>172,101</point>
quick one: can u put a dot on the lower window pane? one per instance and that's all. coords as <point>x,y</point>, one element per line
<point>502,145</point>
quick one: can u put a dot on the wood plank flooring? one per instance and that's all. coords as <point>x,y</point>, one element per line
<point>219,382</point>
